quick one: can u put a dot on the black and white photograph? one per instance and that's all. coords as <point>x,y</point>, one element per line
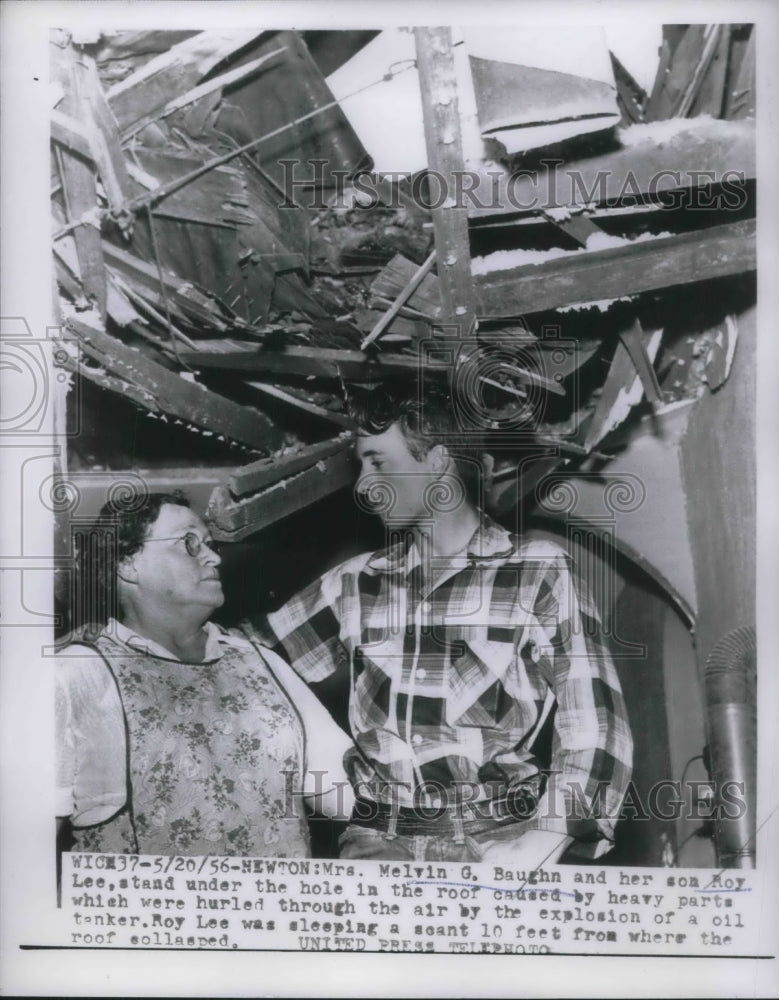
<point>387,541</point>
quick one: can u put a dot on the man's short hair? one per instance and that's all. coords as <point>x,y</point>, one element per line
<point>426,416</point>
<point>118,533</point>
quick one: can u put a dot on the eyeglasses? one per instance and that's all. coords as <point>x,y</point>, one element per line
<point>192,543</point>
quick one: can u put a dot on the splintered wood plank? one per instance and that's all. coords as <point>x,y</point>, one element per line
<point>676,72</point>
<point>217,198</point>
<point>630,96</point>
<point>656,97</point>
<point>79,181</point>
<point>159,389</point>
<point>312,409</point>
<point>183,297</point>
<point>231,520</point>
<point>70,133</point>
<point>105,141</point>
<point>318,362</point>
<point>741,94</point>
<point>440,110</point>
<point>623,388</point>
<point>217,83</point>
<point>607,274</point>
<point>391,280</point>
<point>403,296</point>
<point>80,192</point>
<point>710,94</point>
<point>692,90</point>
<point>633,341</point>
<point>268,471</point>
<point>170,74</point>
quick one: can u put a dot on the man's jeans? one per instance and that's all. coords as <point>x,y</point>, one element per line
<point>358,843</point>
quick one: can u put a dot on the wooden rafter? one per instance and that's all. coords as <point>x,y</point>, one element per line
<point>438,86</point>
<point>159,390</point>
<point>232,520</point>
<point>606,274</point>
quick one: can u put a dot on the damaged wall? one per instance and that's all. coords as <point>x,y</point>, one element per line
<point>719,470</point>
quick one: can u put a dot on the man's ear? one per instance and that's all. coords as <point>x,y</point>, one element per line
<point>126,570</point>
<point>440,459</point>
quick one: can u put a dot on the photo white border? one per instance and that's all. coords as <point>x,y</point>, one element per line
<point>26,768</point>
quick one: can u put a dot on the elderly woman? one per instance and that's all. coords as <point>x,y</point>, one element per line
<point>175,736</point>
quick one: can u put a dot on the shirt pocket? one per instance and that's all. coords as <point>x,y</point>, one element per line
<point>478,672</point>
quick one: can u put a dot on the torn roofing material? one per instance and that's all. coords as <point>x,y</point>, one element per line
<point>233,291</point>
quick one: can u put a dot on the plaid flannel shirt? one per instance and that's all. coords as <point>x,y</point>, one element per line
<point>456,665</point>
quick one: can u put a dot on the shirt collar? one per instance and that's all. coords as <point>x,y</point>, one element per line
<point>216,640</point>
<point>489,541</point>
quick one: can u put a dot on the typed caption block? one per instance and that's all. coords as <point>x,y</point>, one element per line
<point>129,901</point>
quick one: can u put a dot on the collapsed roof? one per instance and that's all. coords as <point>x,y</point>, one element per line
<point>233,251</point>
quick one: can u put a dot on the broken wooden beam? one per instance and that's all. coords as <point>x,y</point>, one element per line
<point>740,98</point>
<point>305,361</point>
<point>231,520</point>
<point>711,43</point>
<point>70,133</point>
<point>183,297</point>
<point>79,187</point>
<point>152,86</point>
<point>623,388</point>
<point>700,153</point>
<point>425,299</point>
<point>312,409</point>
<point>608,274</point>
<point>160,390</point>
<point>631,98</point>
<point>633,342</point>
<point>218,198</point>
<point>202,90</point>
<point>103,130</point>
<point>440,111</point>
<point>267,471</point>
<point>78,174</point>
<point>403,296</point>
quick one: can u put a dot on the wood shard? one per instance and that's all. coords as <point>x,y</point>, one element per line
<point>622,390</point>
<point>172,394</point>
<point>267,471</point>
<point>232,520</point>
<point>150,88</point>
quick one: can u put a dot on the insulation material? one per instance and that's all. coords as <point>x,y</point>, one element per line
<point>602,305</point>
<point>539,86</point>
<point>668,129</point>
<point>505,260</point>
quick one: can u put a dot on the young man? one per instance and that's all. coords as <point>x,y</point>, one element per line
<point>174,736</point>
<point>460,640</point>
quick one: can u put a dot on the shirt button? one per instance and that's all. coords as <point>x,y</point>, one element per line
<point>421,673</point>
<point>416,739</point>
<point>425,608</point>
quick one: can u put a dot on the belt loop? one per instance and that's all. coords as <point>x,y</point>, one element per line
<point>392,825</point>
